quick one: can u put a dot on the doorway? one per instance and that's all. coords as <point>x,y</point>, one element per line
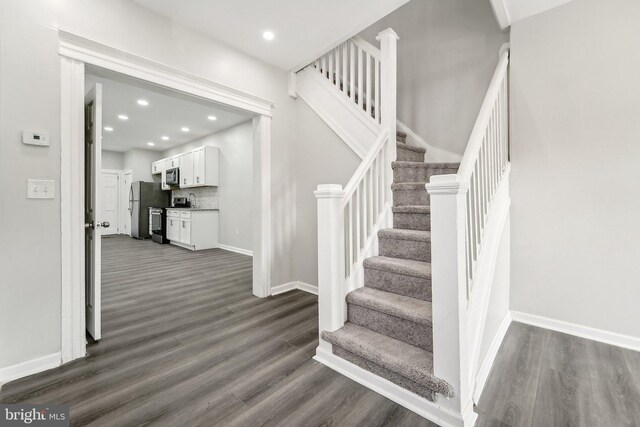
<point>76,55</point>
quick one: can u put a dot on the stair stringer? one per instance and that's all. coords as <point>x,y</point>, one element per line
<point>357,130</point>
<point>432,411</point>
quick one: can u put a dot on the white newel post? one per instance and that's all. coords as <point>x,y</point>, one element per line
<point>388,94</point>
<point>449,291</point>
<point>331,269</point>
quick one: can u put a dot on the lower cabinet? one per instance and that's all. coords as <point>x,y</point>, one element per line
<point>193,229</point>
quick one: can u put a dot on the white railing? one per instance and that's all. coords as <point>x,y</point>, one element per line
<point>354,68</point>
<point>467,213</point>
<point>350,217</point>
<point>484,162</point>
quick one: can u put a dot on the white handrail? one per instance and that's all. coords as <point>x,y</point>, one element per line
<point>366,46</point>
<point>477,134</point>
<point>365,165</point>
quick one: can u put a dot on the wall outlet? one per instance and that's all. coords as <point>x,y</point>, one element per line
<point>35,138</point>
<point>41,189</point>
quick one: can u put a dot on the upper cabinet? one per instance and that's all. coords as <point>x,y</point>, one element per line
<point>199,167</point>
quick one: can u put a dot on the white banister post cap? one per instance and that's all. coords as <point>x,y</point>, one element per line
<point>329,191</point>
<point>447,184</point>
<point>388,33</point>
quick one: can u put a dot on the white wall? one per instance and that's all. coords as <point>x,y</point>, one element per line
<point>575,154</point>
<point>112,160</point>
<point>447,53</point>
<point>321,158</point>
<point>139,161</point>
<point>30,86</point>
<point>235,193</point>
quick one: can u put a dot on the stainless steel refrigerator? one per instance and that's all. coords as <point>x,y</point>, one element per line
<point>142,196</point>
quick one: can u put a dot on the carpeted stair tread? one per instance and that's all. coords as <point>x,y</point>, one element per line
<point>409,186</point>
<point>410,147</point>
<point>401,234</point>
<point>416,209</point>
<point>406,308</point>
<point>404,359</point>
<point>406,164</point>
<point>405,267</point>
<point>401,134</point>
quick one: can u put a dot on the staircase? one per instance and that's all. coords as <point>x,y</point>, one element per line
<point>389,323</point>
<point>407,249</point>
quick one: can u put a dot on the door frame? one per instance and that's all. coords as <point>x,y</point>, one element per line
<point>75,53</point>
<point>120,174</point>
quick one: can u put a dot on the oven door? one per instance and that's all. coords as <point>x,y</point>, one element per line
<point>156,222</point>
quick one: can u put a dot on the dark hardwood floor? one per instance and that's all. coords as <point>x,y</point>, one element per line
<point>185,343</point>
<point>546,378</point>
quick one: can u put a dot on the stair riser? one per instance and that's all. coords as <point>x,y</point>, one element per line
<point>410,197</point>
<point>408,155</point>
<point>385,373</point>
<point>420,174</point>
<point>405,249</point>
<point>412,221</point>
<point>409,286</point>
<point>401,138</point>
<point>391,326</point>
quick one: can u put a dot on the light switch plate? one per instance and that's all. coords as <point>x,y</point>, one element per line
<point>41,189</point>
<point>35,138</point>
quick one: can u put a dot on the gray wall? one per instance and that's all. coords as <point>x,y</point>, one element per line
<point>139,161</point>
<point>30,85</point>
<point>112,159</point>
<point>321,158</point>
<point>575,177</point>
<point>235,193</point>
<point>447,53</point>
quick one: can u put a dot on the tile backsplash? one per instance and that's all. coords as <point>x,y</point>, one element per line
<point>206,197</point>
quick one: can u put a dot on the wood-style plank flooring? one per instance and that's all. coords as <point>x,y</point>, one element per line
<point>546,378</point>
<point>185,343</point>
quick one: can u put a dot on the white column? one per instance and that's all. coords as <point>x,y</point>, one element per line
<point>331,280</point>
<point>449,294</point>
<point>388,93</point>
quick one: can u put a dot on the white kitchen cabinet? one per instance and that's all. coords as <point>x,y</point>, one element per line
<point>193,229</point>
<point>156,167</point>
<point>206,166</point>
<point>163,182</point>
<point>186,170</point>
<point>173,161</point>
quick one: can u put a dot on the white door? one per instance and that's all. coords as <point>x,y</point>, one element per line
<point>173,230</point>
<point>93,223</point>
<point>110,193</point>
<point>185,231</point>
<point>128,179</point>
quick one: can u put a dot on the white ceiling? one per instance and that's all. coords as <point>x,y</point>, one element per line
<point>304,29</point>
<point>168,111</point>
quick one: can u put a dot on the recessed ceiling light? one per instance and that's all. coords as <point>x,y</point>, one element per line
<point>212,118</point>
<point>268,35</point>
<point>143,102</point>
<point>151,144</point>
<point>108,128</point>
<point>123,117</point>
<point>165,138</point>
<point>185,129</point>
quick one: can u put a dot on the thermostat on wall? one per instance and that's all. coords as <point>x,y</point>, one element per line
<point>35,138</point>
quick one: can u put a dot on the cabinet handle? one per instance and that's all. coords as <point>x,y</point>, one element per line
<point>198,179</point>
<point>183,226</point>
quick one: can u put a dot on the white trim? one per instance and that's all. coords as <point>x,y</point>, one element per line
<point>100,55</point>
<point>234,249</point>
<point>421,406</point>
<point>487,362</point>
<point>434,154</point>
<point>72,332</point>
<point>292,286</point>
<point>29,367</point>
<point>75,52</point>
<point>500,11</point>
<point>600,335</point>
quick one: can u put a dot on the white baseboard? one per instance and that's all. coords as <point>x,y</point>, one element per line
<point>29,367</point>
<point>286,287</point>
<point>613,338</point>
<point>429,410</point>
<point>490,357</point>
<point>234,249</point>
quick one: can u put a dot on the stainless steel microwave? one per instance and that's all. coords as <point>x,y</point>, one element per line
<point>173,176</point>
